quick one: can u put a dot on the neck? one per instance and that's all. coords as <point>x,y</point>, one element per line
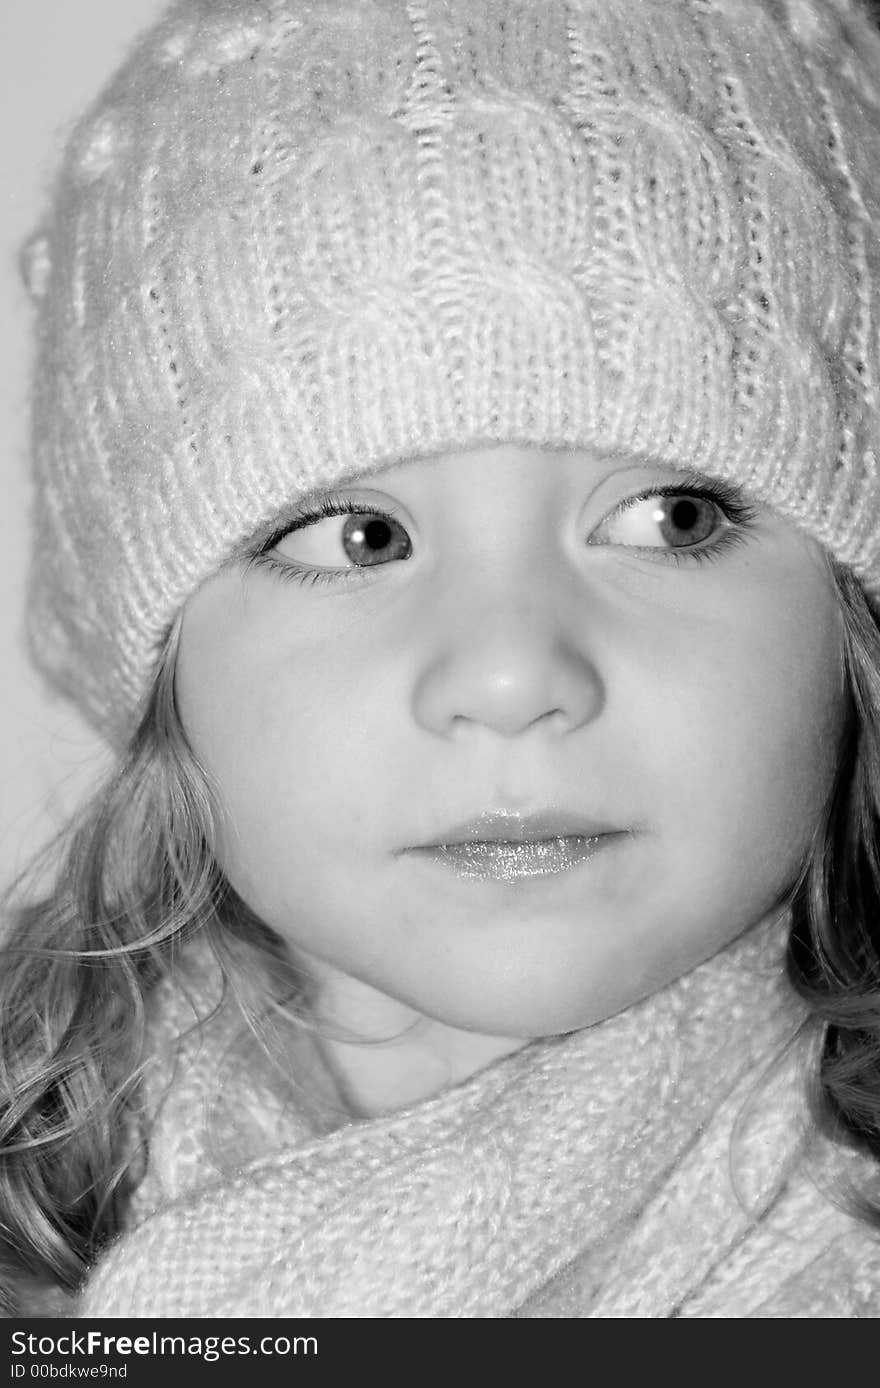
<point>385,1056</point>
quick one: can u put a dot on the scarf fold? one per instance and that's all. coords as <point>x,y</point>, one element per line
<point>653,1165</point>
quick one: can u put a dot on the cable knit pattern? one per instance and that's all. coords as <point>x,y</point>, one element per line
<point>651,1166</point>
<point>295,241</point>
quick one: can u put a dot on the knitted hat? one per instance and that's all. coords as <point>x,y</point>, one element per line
<point>296,240</point>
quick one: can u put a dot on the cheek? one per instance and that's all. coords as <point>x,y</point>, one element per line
<point>294,749</point>
<point>797,704</point>
<point>763,719</point>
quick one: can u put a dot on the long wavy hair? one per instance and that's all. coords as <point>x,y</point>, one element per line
<point>833,957</point>
<point>136,878</point>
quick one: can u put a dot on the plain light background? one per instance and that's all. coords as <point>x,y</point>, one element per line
<point>56,54</point>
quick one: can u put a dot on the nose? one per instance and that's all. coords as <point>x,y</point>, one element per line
<point>507,663</point>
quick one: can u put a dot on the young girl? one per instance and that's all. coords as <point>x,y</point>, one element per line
<point>456,498</point>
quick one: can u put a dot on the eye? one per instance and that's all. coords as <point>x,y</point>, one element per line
<point>663,520</point>
<point>340,536</point>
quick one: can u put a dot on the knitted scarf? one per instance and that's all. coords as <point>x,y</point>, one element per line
<point>653,1165</point>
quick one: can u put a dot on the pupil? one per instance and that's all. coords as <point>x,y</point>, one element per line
<point>376,534</point>
<point>684,515</point>
<point>369,540</point>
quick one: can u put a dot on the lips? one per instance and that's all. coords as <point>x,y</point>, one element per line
<point>503,827</point>
<point>508,847</point>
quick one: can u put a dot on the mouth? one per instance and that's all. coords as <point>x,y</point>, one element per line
<point>509,848</point>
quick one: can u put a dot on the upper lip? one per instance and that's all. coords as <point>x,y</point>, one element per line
<point>504,827</point>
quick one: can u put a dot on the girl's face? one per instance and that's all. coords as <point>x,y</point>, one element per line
<point>515,737</point>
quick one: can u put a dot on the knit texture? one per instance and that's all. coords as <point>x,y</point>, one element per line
<point>295,241</point>
<point>651,1166</point>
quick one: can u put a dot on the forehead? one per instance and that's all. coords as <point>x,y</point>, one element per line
<point>552,466</point>
<point>508,468</point>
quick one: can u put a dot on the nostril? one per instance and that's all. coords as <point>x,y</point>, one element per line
<point>508,687</point>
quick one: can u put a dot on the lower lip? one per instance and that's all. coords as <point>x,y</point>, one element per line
<point>511,861</point>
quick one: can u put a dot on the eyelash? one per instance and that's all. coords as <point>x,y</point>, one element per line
<point>329,506</point>
<point>740,513</point>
